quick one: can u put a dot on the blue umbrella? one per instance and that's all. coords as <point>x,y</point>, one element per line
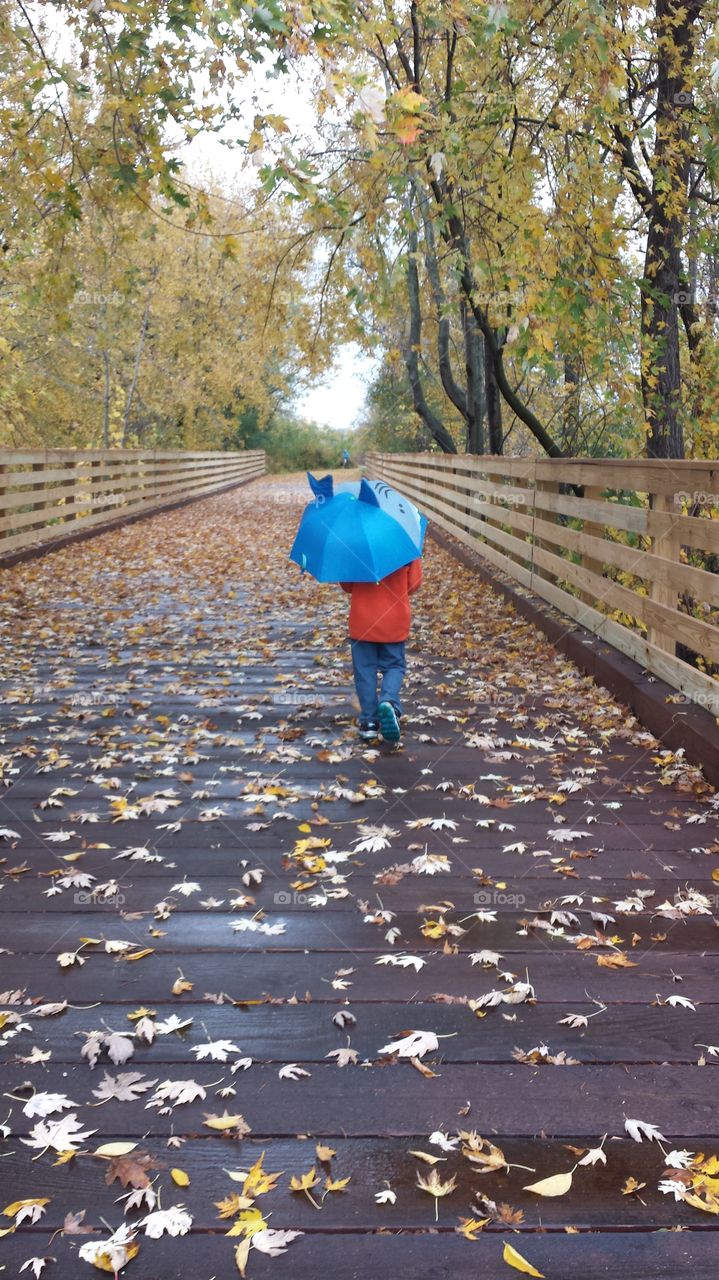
<point>348,537</point>
<point>393,502</point>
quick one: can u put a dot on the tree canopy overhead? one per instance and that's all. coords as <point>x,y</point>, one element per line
<point>513,203</point>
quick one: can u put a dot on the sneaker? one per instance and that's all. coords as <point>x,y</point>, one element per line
<point>368,730</point>
<point>388,722</point>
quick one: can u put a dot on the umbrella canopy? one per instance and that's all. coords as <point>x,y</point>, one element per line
<point>349,537</point>
<point>394,503</point>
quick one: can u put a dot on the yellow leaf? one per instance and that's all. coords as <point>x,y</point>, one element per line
<point>617,960</point>
<point>241,1255</point>
<point>180,1178</point>
<point>225,1121</point>
<point>139,955</point>
<point>470,1227</point>
<point>142,1012</point>
<point>249,1222</point>
<point>557,1185</point>
<point>17,1205</point>
<point>258,1181</point>
<point>115,1149</point>
<point>324,1153</point>
<point>336,1184</point>
<point>305,1182</point>
<point>232,1204</point>
<point>514,1259</point>
<point>181,985</point>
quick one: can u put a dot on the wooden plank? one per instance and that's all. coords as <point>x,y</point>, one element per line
<point>507,1099</point>
<point>561,977</point>
<point>305,1032</point>
<point>434,1254</point>
<point>595,1200</point>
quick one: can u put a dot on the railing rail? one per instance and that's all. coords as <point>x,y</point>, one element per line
<point>626,548</point>
<point>48,493</point>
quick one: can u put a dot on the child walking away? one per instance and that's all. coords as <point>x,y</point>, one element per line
<point>379,624</point>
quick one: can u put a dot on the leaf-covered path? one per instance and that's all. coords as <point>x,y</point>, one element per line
<point>421,982</point>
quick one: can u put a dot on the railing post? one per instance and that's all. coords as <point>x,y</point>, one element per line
<point>664,544</point>
<point>592,493</point>
<point>38,506</point>
<point>551,517</point>
<point>4,533</point>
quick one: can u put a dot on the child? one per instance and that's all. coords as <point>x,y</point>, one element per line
<point>379,624</point>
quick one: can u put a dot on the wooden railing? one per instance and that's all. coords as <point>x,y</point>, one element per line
<point>626,548</point>
<point>48,493</point>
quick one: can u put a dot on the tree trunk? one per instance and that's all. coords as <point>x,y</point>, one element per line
<point>411,355</point>
<point>135,374</point>
<point>106,400</point>
<point>662,292</point>
<point>476,398</point>
<point>494,407</point>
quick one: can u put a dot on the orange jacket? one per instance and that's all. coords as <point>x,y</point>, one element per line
<point>380,611</point>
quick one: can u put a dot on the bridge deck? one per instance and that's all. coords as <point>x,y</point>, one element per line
<point>196,848</point>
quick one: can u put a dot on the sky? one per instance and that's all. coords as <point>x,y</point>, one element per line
<point>338,398</point>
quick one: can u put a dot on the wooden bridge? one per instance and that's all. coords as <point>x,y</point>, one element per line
<point>258,978</point>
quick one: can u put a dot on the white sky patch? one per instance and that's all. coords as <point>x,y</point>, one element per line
<point>339,400</point>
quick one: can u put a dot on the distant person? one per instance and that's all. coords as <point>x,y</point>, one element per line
<point>379,623</point>
<point>345,458</point>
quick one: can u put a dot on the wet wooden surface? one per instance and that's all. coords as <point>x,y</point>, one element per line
<point>180,716</point>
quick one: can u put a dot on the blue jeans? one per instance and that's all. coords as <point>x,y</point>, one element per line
<point>371,659</point>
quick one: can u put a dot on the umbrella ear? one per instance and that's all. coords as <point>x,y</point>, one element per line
<point>323,488</point>
<point>367,493</point>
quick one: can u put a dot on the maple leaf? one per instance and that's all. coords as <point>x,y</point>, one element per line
<point>114,1253</point>
<point>273,1242</point>
<point>175,1221</point>
<point>131,1170</point>
<point>403,961</point>
<point>258,1181</point>
<point>413,1044</point>
<point>66,1134</point>
<point>125,1087</point>
<point>44,1104</point>
<point>292,1071</point>
<point>30,1210</point>
<point>176,1092</point>
<point>344,1057</point>
<point>638,1129</point>
<point>373,839</point>
<point>434,1186</point>
<point>215,1050</point>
